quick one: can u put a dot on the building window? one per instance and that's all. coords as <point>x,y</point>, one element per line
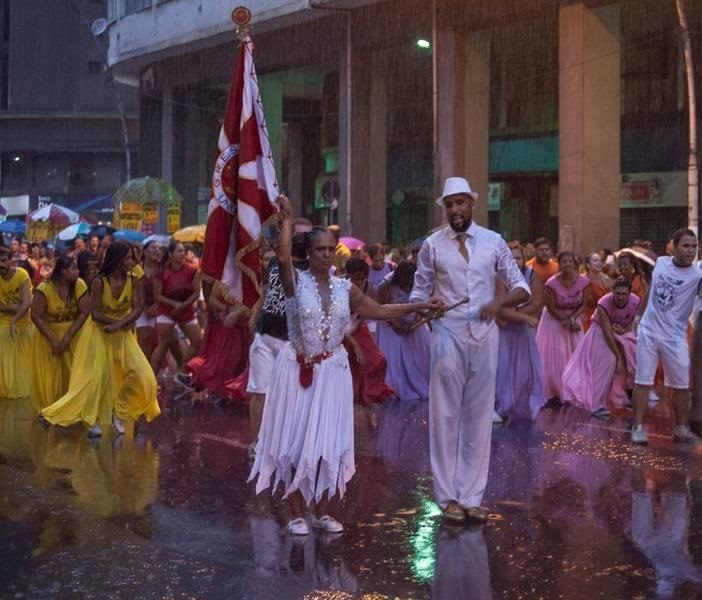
<point>4,21</point>
<point>132,6</point>
<point>95,67</point>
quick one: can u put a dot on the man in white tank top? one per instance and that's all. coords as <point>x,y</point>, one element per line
<point>662,335</point>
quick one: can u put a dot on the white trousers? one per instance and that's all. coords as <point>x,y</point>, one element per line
<point>461,400</point>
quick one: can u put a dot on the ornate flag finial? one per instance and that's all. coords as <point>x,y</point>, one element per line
<point>241,16</point>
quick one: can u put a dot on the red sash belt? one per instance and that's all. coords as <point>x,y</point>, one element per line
<point>307,367</point>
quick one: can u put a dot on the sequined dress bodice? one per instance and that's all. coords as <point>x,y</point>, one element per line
<point>312,331</point>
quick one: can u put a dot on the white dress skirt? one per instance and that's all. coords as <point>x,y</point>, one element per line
<point>306,439</point>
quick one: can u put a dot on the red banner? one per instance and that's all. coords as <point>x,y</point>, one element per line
<point>244,188</point>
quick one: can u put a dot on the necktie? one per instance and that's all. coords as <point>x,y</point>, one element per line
<point>462,248</point>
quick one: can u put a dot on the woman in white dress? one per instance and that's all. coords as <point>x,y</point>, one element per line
<point>306,440</point>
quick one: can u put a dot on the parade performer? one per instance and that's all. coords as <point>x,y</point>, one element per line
<point>459,261</point>
<point>602,367</point>
<point>662,335</point>
<point>560,328</point>
<point>176,289</point>
<point>110,378</point>
<point>15,327</point>
<point>306,439</point>
<point>405,347</point>
<point>223,355</point>
<point>59,309</point>
<point>367,362</point>
<point>600,284</point>
<point>146,323</point>
<point>519,391</point>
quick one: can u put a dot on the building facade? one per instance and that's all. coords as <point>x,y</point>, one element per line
<point>569,117</point>
<point>61,134</point>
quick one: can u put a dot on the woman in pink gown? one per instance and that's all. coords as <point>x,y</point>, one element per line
<point>560,328</point>
<point>603,365</point>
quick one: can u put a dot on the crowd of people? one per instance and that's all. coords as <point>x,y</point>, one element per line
<point>483,329</point>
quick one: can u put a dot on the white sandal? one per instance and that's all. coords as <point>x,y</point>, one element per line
<point>298,527</point>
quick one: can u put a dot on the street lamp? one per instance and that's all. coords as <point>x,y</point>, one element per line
<point>97,28</point>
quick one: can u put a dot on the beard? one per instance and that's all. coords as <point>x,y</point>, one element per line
<point>460,225</point>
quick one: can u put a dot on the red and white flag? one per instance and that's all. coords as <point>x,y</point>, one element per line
<point>244,188</point>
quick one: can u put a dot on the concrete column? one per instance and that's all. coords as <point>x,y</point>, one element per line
<point>167,133</point>
<point>462,134</point>
<point>296,157</point>
<point>589,128</point>
<point>271,90</point>
<point>376,212</point>
<point>167,141</point>
<point>346,138</point>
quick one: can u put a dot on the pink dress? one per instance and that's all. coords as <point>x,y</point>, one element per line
<point>556,343</point>
<point>589,379</point>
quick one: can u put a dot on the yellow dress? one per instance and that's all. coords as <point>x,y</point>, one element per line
<point>110,372</point>
<point>50,375</point>
<point>15,353</point>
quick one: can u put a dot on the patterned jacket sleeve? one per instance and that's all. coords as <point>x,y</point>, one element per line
<point>425,274</point>
<point>507,268</point>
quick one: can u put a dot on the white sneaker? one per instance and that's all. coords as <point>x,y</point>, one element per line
<point>683,435</point>
<point>653,396</point>
<point>496,418</point>
<point>638,435</point>
<point>95,431</point>
<point>118,424</point>
<point>328,524</point>
<point>298,527</point>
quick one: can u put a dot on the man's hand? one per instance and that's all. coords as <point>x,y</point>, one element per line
<point>621,366</point>
<point>489,311</point>
<point>111,327</point>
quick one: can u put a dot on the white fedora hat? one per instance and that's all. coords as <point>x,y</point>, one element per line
<point>456,185</point>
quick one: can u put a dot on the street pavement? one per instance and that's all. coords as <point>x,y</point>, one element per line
<point>576,512</point>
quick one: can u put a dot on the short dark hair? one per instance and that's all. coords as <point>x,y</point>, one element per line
<point>622,281</point>
<point>541,241</point>
<point>5,251</point>
<point>564,253</point>
<point>681,233</point>
<point>356,265</point>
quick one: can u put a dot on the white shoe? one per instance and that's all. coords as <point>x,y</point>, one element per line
<point>328,524</point>
<point>496,418</point>
<point>95,431</point>
<point>638,435</point>
<point>683,435</point>
<point>653,396</point>
<point>298,527</point>
<point>118,424</point>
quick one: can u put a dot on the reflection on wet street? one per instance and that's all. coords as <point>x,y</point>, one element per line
<point>576,512</point>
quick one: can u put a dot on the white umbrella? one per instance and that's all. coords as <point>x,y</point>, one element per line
<point>73,231</point>
<point>641,254</point>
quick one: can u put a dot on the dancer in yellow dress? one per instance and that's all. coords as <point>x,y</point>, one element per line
<point>15,328</point>
<point>59,309</point>
<point>111,378</point>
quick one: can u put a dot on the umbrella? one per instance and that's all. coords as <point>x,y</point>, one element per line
<point>129,235</point>
<point>194,233</point>
<point>73,231</point>
<point>147,189</point>
<point>641,253</point>
<point>352,243</point>
<point>55,214</point>
<point>14,227</point>
<point>157,237</point>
